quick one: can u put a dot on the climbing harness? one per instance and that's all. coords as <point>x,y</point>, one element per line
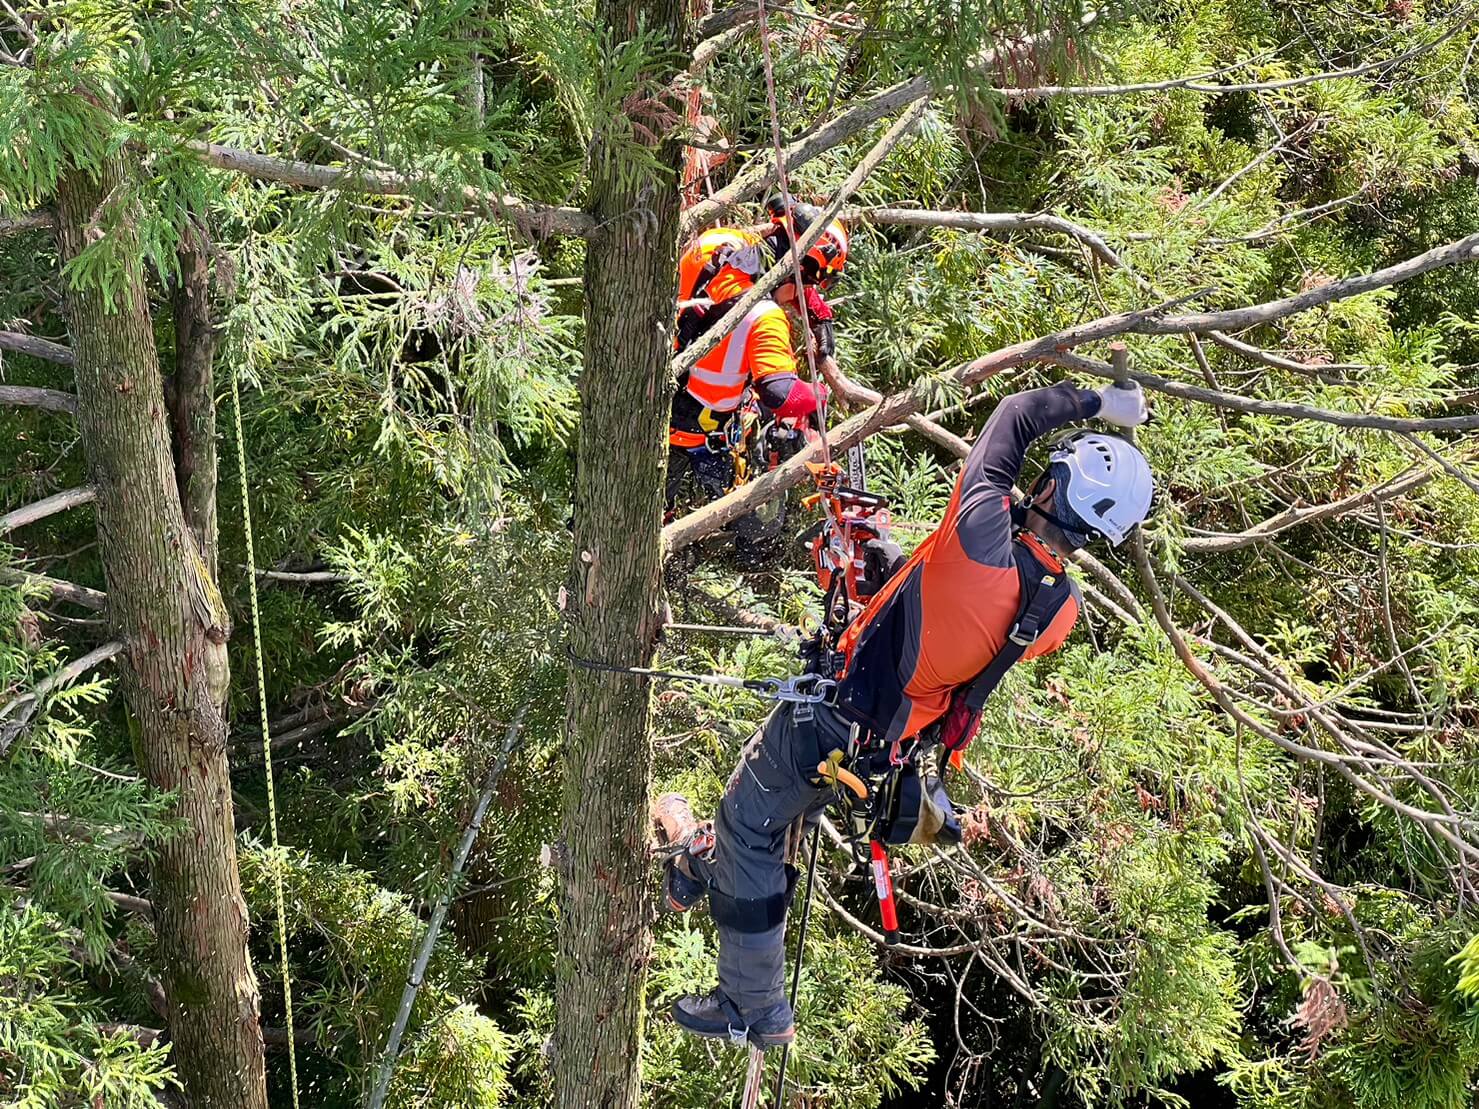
<point>282,913</point>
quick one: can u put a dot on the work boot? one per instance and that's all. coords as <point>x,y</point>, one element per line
<point>681,835</point>
<point>715,1017</point>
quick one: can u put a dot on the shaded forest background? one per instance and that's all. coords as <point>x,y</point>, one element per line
<point>1221,850</point>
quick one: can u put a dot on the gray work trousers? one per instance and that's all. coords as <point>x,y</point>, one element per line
<point>749,880</point>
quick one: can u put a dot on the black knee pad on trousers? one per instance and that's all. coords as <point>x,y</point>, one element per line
<point>753,914</point>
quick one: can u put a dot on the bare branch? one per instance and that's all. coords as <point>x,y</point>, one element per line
<point>1237,319</point>
<point>47,506</point>
<point>37,348</point>
<point>303,577</point>
<point>1326,372</point>
<point>531,218</point>
<point>1266,407</point>
<point>1404,483</point>
<point>26,396</point>
<point>892,410</point>
<point>31,221</point>
<point>94,599</point>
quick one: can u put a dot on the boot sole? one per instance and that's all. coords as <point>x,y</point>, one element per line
<point>780,1039</point>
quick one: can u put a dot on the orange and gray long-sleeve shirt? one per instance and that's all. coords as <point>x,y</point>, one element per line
<point>947,612</point>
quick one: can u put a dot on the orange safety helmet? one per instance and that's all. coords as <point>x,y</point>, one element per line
<point>826,259</point>
<point>721,264</point>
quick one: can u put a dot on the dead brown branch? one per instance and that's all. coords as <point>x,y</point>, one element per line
<point>27,396</point>
<point>47,506</point>
<point>17,343</point>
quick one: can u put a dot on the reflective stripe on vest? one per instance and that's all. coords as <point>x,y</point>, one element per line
<point>718,379</point>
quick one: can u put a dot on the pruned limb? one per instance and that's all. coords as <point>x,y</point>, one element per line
<point>31,221</point>
<point>47,506</point>
<point>1326,372</point>
<point>94,599</point>
<point>1236,319</point>
<point>531,218</point>
<point>44,349</point>
<point>27,396</point>
<point>304,577</point>
<point>891,410</point>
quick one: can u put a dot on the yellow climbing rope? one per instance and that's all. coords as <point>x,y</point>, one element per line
<point>277,856</point>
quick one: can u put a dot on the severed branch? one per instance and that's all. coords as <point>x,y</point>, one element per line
<point>1451,254</point>
<point>27,396</point>
<point>439,912</point>
<point>32,221</point>
<point>531,218</point>
<point>891,410</point>
<point>47,506</point>
<point>1327,372</point>
<point>45,349</point>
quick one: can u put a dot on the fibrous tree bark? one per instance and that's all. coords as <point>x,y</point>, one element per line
<point>192,401</point>
<point>613,598</point>
<point>163,605</point>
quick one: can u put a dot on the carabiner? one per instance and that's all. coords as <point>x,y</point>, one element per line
<point>802,689</point>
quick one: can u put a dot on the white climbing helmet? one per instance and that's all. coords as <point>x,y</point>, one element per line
<point>1108,484</point>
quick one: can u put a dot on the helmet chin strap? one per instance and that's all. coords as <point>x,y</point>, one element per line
<point>1068,530</point>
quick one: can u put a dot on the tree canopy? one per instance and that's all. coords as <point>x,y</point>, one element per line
<point>1223,850</point>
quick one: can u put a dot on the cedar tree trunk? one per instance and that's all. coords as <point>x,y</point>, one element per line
<point>166,609</point>
<point>614,599</point>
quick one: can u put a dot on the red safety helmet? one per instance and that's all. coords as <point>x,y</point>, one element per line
<point>826,259</point>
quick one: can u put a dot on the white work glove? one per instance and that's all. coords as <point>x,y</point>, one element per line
<point>1123,405</point>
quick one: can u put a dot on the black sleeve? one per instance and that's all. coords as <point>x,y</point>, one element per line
<point>995,462</point>
<point>773,389</point>
<point>984,525</point>
<point>826,338</point>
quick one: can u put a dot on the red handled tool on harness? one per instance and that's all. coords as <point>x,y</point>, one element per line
<point>883,885</point>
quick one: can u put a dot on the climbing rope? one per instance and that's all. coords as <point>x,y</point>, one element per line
<point>277,860</point>
<point>783,179</point>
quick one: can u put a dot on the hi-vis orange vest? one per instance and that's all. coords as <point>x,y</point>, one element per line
<point>758,347</point>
